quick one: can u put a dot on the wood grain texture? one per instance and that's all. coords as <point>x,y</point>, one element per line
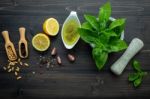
<point>80,79</point>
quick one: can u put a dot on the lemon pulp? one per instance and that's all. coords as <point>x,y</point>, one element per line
<point>41,42</point>
<point>51,27</point>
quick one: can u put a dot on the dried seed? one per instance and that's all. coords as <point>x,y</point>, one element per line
<point>52,65</point>
<point>19,77</point>
<point>4,68</point>
<point>12,68</point>
<point>43,60</point>
<point>12,63</point>
<point>8,66</point>
<point>59,60</point>
<point>26,64</point>
<point>48,65</point>
<point>18,59</point>
<point>53,52</point>
<point>17,69</point>
<point>21,63</point>
<point>9,70</point>
<point>16,74</point>
<point>40,66</point>
<point>71,58</point>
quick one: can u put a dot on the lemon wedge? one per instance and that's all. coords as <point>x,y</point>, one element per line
<point>51,27</point>
<point>41,42</point>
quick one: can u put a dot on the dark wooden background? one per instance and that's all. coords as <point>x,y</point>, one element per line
<point>79,79</point>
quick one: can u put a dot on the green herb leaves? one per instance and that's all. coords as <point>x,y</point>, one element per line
<point>117,45</point>
<point>136,65</point>
<point>116,23</point>
<point>92,21</point>
<point>100,57</point>
<point>105,12</point>
<point>103,34</point>
<point>137,77</point>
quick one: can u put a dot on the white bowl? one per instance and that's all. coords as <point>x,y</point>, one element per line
<point>73,14</point>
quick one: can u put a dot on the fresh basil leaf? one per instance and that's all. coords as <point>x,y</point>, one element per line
<point>117,45</point>
<point>105,36</point>
<point>117,26</point>
<point>136,65</point>
<point>104,39</point>
<point>110,33</point>
<point>100,57</point>
<point>87,26</point>
<point>133,76</point>
<point>142,74</point>
<point>137,82</point>
<point>119,30</point>
<point>105,13</point>
<point>117,23</point>
<point>88,36</point>
<point>103,25</point>
<point>92,21</point>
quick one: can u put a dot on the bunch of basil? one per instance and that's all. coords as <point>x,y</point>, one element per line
<point>103,34</point>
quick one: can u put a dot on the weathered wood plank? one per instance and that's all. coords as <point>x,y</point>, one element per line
<point>79,79</point>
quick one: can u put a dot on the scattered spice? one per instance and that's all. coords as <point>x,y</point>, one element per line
<point>48,65</point>
<point>43,60</point>
<point>41,66</point>
<point>33,72</point>
<point>47,62</point>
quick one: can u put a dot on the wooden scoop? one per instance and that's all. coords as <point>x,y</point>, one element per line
<point>9,47</point>
<point>23,45</point>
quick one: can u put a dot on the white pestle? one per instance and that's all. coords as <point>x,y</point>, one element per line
<point>134,47</point>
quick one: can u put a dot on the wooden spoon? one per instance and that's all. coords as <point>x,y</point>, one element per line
<point>9,47</point>
<point>23,45</point>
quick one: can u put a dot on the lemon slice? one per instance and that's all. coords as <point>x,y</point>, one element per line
<point>41,42</point>
<point>51,27</point>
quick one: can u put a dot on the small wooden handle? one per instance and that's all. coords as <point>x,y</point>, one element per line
<point>22,33</point>
<point>6,36</point>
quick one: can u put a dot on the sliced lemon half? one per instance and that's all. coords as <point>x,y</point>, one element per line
<point>51,27</point>
<point>41,42</point>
